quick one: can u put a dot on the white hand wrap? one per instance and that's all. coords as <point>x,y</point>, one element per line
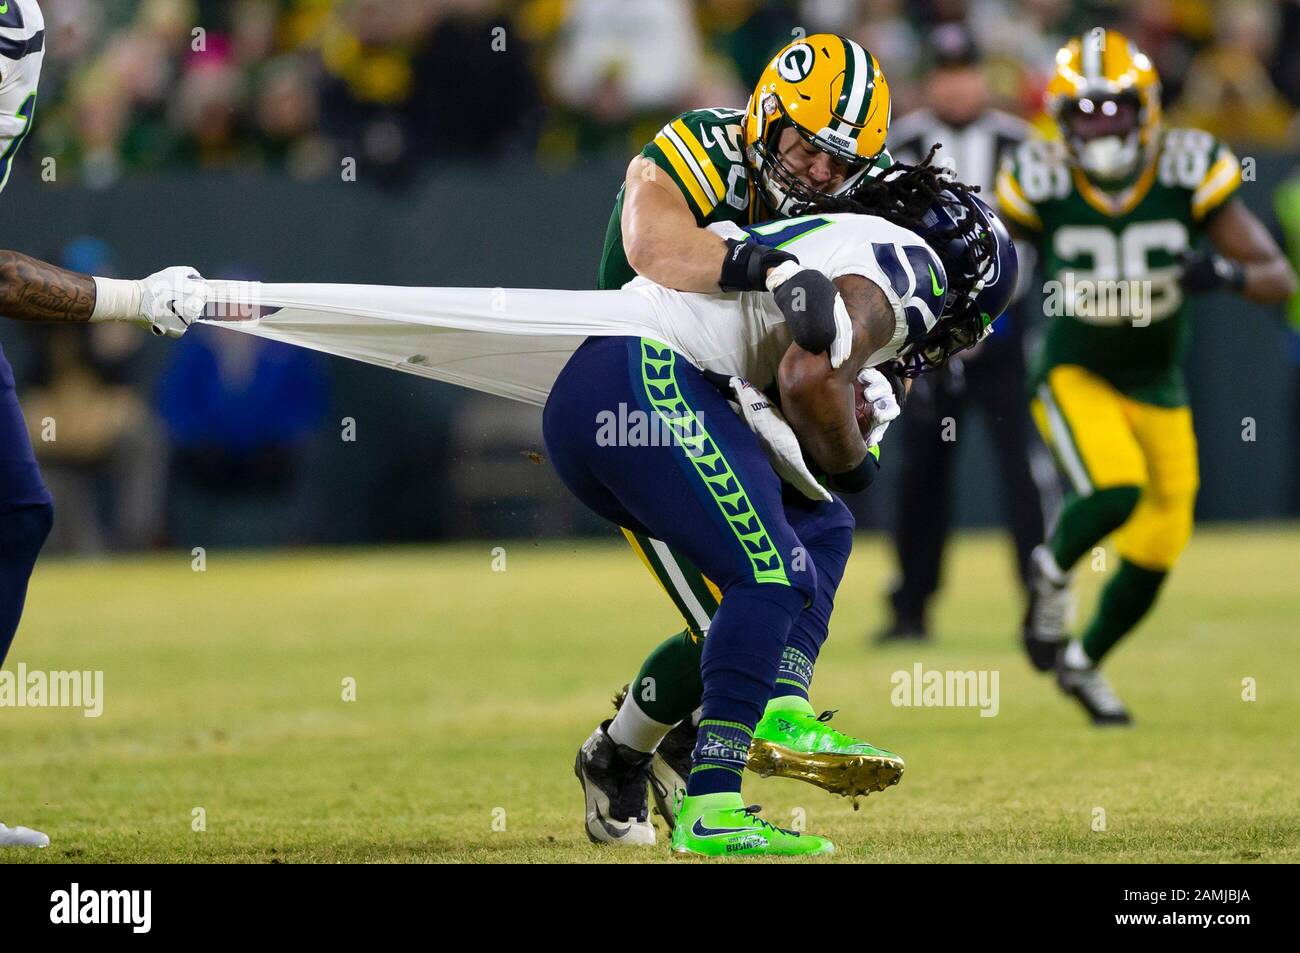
<point>117,300</point>
<point>777,438</point>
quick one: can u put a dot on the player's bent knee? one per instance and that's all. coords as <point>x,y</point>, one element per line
<point>829,549</point>
<point>1158,533</point>
<point>788,596</point>
<point>791,569</point>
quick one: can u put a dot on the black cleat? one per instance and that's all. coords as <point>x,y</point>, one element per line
<point>671,767</point>
<point>613,778</point>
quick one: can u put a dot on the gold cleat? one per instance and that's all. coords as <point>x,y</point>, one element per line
<point>792,744</point>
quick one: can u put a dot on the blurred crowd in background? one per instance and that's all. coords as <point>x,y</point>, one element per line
<point>292,88</point>
<point>130,85</point>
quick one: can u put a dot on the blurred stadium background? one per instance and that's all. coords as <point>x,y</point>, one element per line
<point>484,158</point>
<point>491,166</point>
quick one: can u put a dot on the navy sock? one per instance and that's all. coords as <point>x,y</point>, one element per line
<point>22,534</point>
<point>794,677</point>
<point>741,657</point>
<point>830,554</point>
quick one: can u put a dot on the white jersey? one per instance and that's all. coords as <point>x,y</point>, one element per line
<point>22,49</point>
<point>514,341</point>
<point>745,333</point>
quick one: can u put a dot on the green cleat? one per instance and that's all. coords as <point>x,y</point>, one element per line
<point>719,825</point>
<point>792,742</point>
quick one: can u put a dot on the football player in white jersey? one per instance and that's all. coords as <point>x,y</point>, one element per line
<point>777,556</point>
<point>32,290</point>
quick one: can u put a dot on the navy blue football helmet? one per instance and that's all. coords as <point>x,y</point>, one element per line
<point>980,261</point>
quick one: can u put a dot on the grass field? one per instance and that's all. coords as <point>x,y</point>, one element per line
<point>223,691</point>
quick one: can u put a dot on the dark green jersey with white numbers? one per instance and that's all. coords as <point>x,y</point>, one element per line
<point>1110,259</point>
<point>702,152</point>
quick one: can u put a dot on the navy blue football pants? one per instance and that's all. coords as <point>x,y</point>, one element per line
<point>26,512</point>
<point>636,432</point>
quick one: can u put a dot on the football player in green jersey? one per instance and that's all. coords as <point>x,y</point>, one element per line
<point>813,129</point>
<point>1116,208</point>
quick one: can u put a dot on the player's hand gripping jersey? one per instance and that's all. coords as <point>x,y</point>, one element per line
<point>1115,303</point>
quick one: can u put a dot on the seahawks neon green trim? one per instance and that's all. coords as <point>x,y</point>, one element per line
<point>659,378</point>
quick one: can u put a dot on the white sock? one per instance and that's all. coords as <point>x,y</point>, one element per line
<point>634,728</point>
<point>1075,656</point>
<point>1047,562</point>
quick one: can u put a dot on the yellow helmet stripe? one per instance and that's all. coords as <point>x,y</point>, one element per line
<point>701,157</point>
<point>684,173</point>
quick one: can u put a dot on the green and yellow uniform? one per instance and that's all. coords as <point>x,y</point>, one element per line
<point>1110,397</point>
<point>702,153</point>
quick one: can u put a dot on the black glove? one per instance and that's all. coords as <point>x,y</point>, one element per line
<point>1206,271</point>
<point>807,300</point>
<point>745,267</point>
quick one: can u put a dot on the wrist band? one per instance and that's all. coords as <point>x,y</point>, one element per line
<point>745,266</point>
<point>116,299</point>
<point>857,479</point>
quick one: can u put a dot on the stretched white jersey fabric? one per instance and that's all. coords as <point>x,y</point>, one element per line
<point>22,50</point>
<point>513,342</point>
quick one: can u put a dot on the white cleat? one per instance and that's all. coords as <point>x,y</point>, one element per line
<point>22,837</point>
<point>614,781</point>
<point>1079,678</point>
<point>1049,610</point>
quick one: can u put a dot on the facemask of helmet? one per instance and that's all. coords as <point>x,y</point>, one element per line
<point>780,186</point>
<point>1104,134</point>
<point>980,260</point>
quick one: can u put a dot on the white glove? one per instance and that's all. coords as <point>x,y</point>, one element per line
<point>842,346</point>
<point>777,438</point>
<point>879,393</point>
<point>166,302</point>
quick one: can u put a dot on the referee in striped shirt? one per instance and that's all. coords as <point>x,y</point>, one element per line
<point>991,377</point>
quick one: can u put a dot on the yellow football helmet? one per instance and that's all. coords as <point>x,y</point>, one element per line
<point>1105,97</point>
<point>833,93</point>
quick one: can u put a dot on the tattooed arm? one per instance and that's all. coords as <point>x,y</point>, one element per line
<point>32,290</point>
<point>165,302</point>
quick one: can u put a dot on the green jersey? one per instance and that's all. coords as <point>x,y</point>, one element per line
<point>1111,258</point>
<point>703,153</point>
